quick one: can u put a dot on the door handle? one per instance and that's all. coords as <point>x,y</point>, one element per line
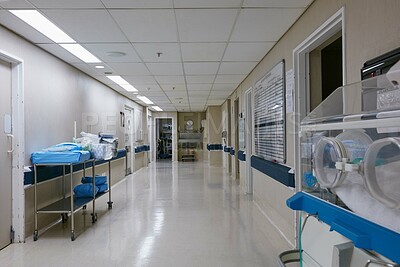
<point>12,139</point>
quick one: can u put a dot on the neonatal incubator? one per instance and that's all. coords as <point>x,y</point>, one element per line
<point>350,149</point>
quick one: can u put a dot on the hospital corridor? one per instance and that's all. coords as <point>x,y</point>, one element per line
<point>204,133</point>
<point>167,214</point>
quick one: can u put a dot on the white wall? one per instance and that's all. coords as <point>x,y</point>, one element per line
<point>57,94</point>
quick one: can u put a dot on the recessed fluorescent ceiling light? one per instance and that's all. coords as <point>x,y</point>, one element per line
<point>145,100</point>
<point>99,67</point>
<point>128,87</point>
<point>43,25</point>
<point>117,79</point>
<point>81,53</point>
<point>121,82</point>
<point>157,108</point>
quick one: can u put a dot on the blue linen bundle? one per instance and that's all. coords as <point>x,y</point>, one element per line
<point>98,181</point>
<point>85,190</point>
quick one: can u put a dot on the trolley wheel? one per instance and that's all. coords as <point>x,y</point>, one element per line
<point>94,217</point>
<point>35,236</point>
<point>64,217</point>
<point>110,204</point>
<point>72,236</point>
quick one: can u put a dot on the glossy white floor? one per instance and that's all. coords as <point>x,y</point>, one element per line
<point>169,214</point>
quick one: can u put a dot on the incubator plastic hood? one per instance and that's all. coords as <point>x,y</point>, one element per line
<point>350,149</point>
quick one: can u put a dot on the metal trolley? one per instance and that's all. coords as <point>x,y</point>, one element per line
<point>68,205</point>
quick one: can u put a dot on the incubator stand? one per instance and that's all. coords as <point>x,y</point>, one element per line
<point>350,156</point>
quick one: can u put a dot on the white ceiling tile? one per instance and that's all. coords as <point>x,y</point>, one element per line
<point>140,79</point>
<point>247,51</point>
<point>236,67</point>
<point>215,102</point>
<point>15,4</point>
<point>205,25</point>
<point>220,93</point>
<point>151,89</point>
<point>148,52</point>
<point>147,25</point>
<point>199,93</point>
<point>230,87</point>
<point>130,69</point>
<point>109,52</point>
<point>198,101</point>
<point>172,79</point>
<point>138,4</point>
<point>199,87</point>
<point>165,68</point>
<point>12,22</point>
<point>229,78</point>
<point>202,68</point>
<point>199,105</point>
<point>197,108</point>
<point>207,3</point>
<point>176,94</point>
<point>182,107</point>
<point>174,87</point>
<point>265,24</point>
<point>202,51</point>
<point>168,109</point>
<point>85,25</point>
<point>162,99</point>
<point>276,3</point>
<point>67,4</point>
<point>200,79</point>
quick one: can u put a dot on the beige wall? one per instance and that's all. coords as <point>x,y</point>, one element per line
<point>196,117</point>
<point>214,130</point>
<point>371,29</point>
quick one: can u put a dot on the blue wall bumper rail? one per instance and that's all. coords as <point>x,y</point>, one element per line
<point>274,170</point>
<point>232,152</point>
<point>241,155</point>
<point>142,148</point>
<point>364,234</point>
<point>211,147</point>
<point>50,172</point>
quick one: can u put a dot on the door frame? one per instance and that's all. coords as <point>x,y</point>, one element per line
<point>248,95</point>
<point>236,141</point>
<point>132,159</point>
<point>333,25</point>
<point>155,141</point>
<point>330,27</point>
<point>18,144</point>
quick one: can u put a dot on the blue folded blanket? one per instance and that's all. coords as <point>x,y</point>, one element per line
<point>85,190</point>
<point>43,157</point>
<point>99,180</point>
<point>102,188</point>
